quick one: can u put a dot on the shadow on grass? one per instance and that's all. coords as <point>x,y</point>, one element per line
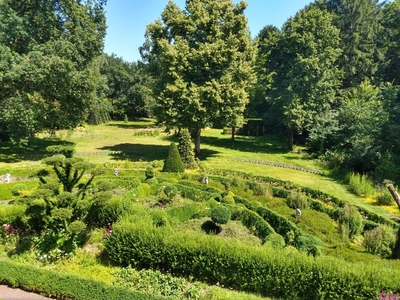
<point>34,151</point>
<point>140,125</point>
<point>257,144</point>
<point>137,152</point>
<point>210,227</point>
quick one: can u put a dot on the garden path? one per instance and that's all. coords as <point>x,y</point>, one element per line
<point>7,293</point>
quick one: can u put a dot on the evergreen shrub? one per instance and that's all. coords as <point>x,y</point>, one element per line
<point>297,199</point>
<point>186,150</point>
<point>173,163</point>
<point>220,214</point>
<point>275,241</point>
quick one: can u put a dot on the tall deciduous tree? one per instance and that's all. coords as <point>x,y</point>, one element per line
<point>47,49</point>
<point>202,57</point>
<point>358,21</point>
<point>303,62</point>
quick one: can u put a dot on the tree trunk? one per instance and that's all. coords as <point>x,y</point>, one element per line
<point>233,134</point>
<point>291,137</point>
<point>395,196</point>
<point>197,133</point>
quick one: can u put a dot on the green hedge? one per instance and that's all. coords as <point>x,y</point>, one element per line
<point>64,286</point>
<point>281,274</point>
<point>253,221</point>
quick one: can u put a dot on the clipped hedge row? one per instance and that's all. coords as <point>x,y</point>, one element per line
<point>64,286</point>
<point>192,193</point>
<point>185,212</point>
<point>253,221</point>
<point>281,188</point>
<point>203,187</point>
<point>281,274</point>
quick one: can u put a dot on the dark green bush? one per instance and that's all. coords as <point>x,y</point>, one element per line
<point>149,173</point>
<point>173,163</point>
<point>220,214</point>
<point>186,150</point>
<point>64,286</point>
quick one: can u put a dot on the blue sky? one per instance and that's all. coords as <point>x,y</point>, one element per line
<point>127,20</point>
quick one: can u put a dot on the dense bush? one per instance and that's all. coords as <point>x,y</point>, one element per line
<point>275,241</point>
<point>254,223</point>
<point>64,286</point>
<point>384,198</point>
<point>350,220</point>
<point>185,212</point>
<point>296,200</point>
<point>173,162</point>
<point>149,173</point>
<point>220,214</point>
<point>361,185</point>
<point>278,274</point>
<point>18,188</point>
<point>380,241</point>
<point>186,150</point>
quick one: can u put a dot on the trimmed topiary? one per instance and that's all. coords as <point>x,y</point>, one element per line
<point>185,149</point>
<point>173,163</point>
<point>149,173</point>
<point>221,214</point>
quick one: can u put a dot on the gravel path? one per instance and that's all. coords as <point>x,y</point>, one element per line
<point>7,293</point>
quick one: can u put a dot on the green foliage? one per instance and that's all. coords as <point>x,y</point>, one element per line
<point>220,214</point>
<point>173,163</point>
<point>275,241</point>
<point>18,188</point>
<point>155,282</point>
<point>141,191</point>
<point>361,185</point>
<point>62,285</point>
<point>255,223</point>
<point>194,71</point>
<point>297,199</point>
<point>280,274</point>
<point>384,198</point>
<point>149,173</point>
<point>380,240</point>
<point>350,221</point>
<point>186,150</point>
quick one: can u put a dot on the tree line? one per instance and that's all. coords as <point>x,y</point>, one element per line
<point>327,79</point>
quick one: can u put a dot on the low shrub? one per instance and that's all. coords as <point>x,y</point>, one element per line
<point>384,198</point>
<point>275,241</point>
<point>18,188</point>
<point>255,223</point>
<point>297,199</point>
<point>361,185</point>
<point>380,240</point>
<point>64,286</point>
<point>184,213</point>
<point>271,273</point>
<point>149,173</point>
<point>142,190</point>
<point>350,220</point>
<point>220,214</point>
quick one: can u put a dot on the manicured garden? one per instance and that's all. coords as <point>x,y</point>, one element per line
<point>100,209</point>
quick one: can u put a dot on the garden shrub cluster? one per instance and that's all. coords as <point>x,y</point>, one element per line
<point>281,274</point>
<point>64,286</point>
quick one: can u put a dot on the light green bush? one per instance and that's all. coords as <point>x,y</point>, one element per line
<point>297,199</point>
<point>220,214</point>
<point>380,240</point>
<point>350,221</point>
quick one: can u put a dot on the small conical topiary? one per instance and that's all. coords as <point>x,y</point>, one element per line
<point>173,163</point>
<point>185,149</point>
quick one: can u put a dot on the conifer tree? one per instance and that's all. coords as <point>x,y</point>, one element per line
<point>185,149</point>
<point>173,163</point>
